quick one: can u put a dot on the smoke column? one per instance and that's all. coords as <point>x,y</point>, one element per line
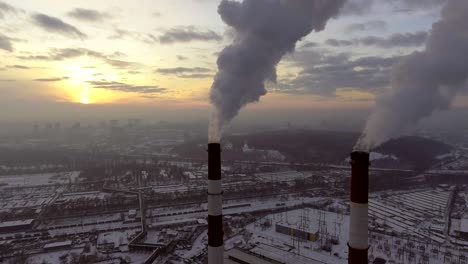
<point>264,31</point>
<point>423,82</point>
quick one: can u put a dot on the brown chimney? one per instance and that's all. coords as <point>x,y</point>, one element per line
<point>358,223</point>
<point>215,205</point>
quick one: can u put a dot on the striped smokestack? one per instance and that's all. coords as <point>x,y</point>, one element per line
<point>358,241</point>
<point>215,205</point>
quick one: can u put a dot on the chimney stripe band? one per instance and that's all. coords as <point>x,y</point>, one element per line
<point>357,256</point>
<point>221,193</point>
<point>215,205</point>
<point>215,236</point>
<point>358,226</point>
<point>360,177</point>
<point>214,161</point>
<point>215,254</point>
<point>214,186</point>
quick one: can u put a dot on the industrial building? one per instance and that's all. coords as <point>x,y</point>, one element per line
<point>304,233</point>
<point>111,241</point>
<point>14,226</point>
<point>236,255</point>
<point>462,232</point>
<point>57,246</point>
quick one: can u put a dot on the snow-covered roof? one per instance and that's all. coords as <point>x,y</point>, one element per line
<point>305,228</point>
<point>245,257</point>
<point>16,223</point>
<point>58,244</point>
<point>190,175</point>
<point>282,256</point>
<point>464,225</point>
<point>202,221</point>
<point>175,222</point>
<point>116,238</point>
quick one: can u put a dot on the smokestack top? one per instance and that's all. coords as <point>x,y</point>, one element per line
<point>214,146</point>
<point>360,157</point>
<point>214,161</point>
<point>360,177</point>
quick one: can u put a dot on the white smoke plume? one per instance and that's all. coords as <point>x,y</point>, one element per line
<point>265,30</point>
<point>423,82</point>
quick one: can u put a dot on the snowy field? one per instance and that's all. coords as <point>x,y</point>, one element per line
<point>266,241</point>
<point>84,220</point>
<point>199,247</point>
<point>396,249</point>
<point>38,179</point>
<point>422,214</point>
<point>246,206</point>
<point>78,229</point>
<point>460,219</point>
<point>31,200</point>
<point>114,258</point>
<point>286,176</point>
<point>51,257</point>
<point>71,197</point>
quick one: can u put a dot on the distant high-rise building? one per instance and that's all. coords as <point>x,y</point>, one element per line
<point>103,124</point>
<point>114,123</point>
<point>76,126</point>
<point>186,136</point>
<point>133,122</point>
<point>57,126</point>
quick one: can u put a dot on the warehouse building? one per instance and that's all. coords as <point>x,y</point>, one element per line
<point>294,230</point>
<point>15,226</point>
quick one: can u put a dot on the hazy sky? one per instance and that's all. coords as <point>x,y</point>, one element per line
<point>81,58</point>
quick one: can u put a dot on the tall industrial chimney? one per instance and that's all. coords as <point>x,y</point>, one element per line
<point>215,205</point>
<point>358,241</point>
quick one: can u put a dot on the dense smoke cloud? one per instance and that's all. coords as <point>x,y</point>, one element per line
<point>363,7</point>
<point>423,82</point>
<point>265,30</point>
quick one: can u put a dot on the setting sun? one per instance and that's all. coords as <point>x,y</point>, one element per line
<point>85,100</point>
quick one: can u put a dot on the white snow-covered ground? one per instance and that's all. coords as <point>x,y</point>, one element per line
<point>248,205</point>
<point>459,220</point>
<point>376,156</point>
<point>84,220</point>
<point>90,228</point>
<point>277,245</point>
<point>282,176</point>
<point>52,257</point>
<point>39,179</point>
<point>113,258</point>
<point>153,237</point>
<point>420,213</point>
<point>118,238</point>
<point>69,197</point>
<point>198,247</point>
<point>265,240</point>
<point>34,200</point>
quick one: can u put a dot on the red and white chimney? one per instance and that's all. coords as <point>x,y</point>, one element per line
<point>215,206</point>
<point>358,226</point>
